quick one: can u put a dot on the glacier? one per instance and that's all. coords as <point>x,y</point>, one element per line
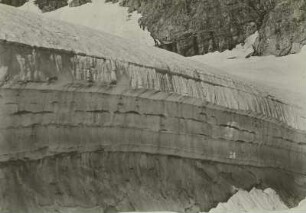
<point>92,122</point>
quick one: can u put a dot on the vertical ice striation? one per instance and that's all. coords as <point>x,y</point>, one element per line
<point>222,91</point>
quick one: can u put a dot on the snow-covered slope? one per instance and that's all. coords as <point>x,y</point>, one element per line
<point>31,7</point>
<point>107,17</point>
<point>287,73</point>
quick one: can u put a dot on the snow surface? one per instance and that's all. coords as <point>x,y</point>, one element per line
<point>107,17</point>
<point>31,7</point>
<point>287,73</point>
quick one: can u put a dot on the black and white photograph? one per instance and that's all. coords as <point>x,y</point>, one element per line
<point>152,106</point>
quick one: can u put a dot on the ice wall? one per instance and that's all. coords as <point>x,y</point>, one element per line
<point>148,67</point>
<point>93,122</point>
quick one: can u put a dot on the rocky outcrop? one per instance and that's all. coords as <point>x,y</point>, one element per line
<point>47,5</point>
<point>102,124</point>
<point>50,5</point>
<point>284,30</point>
<point>76,3</point>
<point>198,27</point>
<point>15,3</point>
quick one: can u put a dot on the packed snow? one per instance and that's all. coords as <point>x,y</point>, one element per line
<point>31,7</point>
<point>287,73</point>
<point>282,76</point>
<point>107,17</point>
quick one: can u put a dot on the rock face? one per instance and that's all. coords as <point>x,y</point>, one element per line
<point>195,27</point>
<point>50,5</point>
<point>47,5</point>
<point>284,29</point>
<point>15,3</point>
<point>103,125</point>
<point>76,3</point>
<point>191,27</point>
